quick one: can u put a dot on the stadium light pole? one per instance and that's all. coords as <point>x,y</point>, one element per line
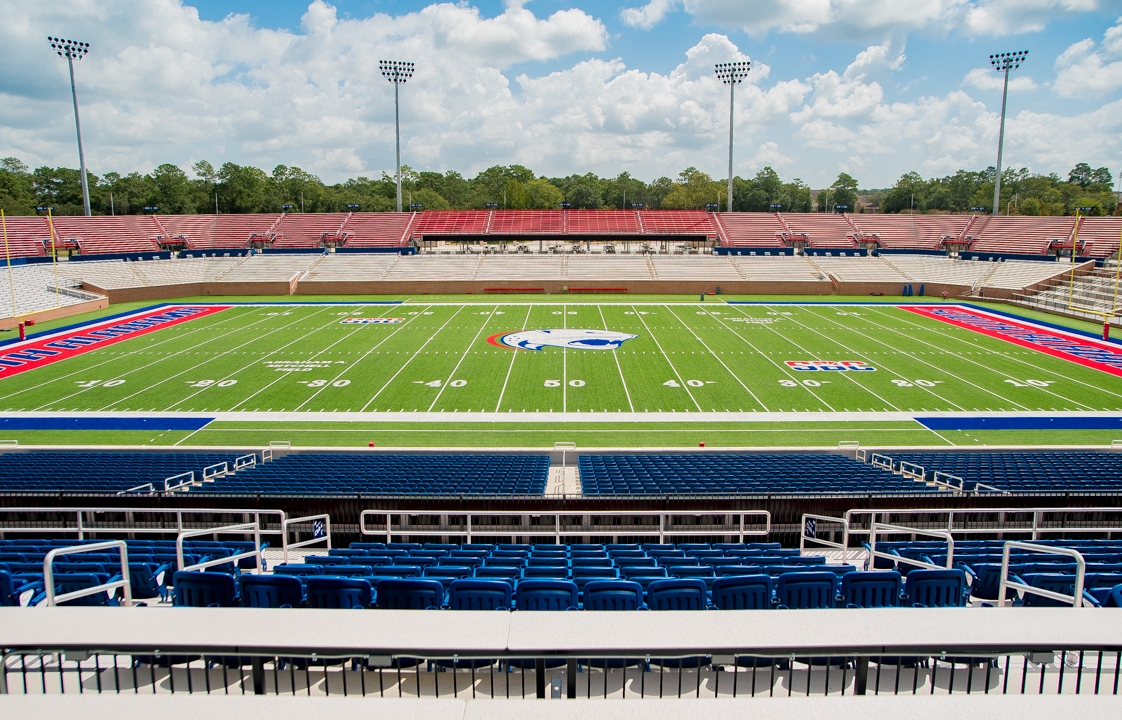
<point>732,74</point>
<point>397,73</point>
<point>1003,63</point>
<point>71,49</point>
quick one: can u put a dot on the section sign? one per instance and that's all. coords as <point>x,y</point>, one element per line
<point>1069,346</point>
<point>37,352</point>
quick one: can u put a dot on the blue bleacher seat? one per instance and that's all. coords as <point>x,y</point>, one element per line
<point>205,589</point>
<point>806,590</point>
<point>410,594</point>
<point>613,595</point>
<point>271,591</point>
<point>743,592</point>
<point>677,594</point>
<point>475,594</point>
<point>338,593</point>
<point>538,595</point>
<point>871,589</point>
<point>936,588</point>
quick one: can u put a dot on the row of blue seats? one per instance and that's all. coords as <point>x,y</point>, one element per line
<point>98,472</point>
<point>1028,471</point>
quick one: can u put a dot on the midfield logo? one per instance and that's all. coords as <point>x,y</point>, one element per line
<point>571,338</point>
<point>372,321</point>
<point>832,365</point>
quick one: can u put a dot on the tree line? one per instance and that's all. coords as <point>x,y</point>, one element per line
<point>234,188</point>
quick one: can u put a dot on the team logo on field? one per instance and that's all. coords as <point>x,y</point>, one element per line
<point>571,338</point>
<point>372,321</point>
<point>834,365</point>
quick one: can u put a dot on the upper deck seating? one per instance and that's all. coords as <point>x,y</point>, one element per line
<point>452,222</point>
<point>377,230</point>
<point>822,229</point>
<point>1022,235</point>
<point>100,235</point>
<point>206,232</point>
<point>1099,235</point>
<point>920,232</point>
<point>678,222</point>
<point>752,229</point>
<point>527,222</point>
<point>308,230</point>
<point>603,222</point>
<point>28,236</point>
<point>1027,471</point>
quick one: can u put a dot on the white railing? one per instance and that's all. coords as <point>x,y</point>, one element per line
<point>150,486</point>
<point>947,480</point>
<point>245,461</point>
<point>883,462</point>
<point>286,545</point>
<point>12,443</point>
<point>49,576</point>
<point>1076,598</point>
<point>810,534</point>
<point>958,521</point>
<point>170,487</point>
<point>861,455</point>
<point>243,527</point>
<point>896,529</point>
<point>913,471</point>
<point>551,525</point>
<point>217,470</point>
<point>137,520</point>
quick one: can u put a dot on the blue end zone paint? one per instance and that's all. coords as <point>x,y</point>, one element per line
<point>103,423</point>
<point>1021,423</point>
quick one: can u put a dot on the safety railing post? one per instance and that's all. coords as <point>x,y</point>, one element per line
<point>257,663</point>
<point>124,584</point>
<point>861,679</point>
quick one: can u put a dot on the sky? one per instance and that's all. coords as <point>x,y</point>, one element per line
<point>873,88</point>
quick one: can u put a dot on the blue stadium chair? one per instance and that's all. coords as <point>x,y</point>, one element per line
<point>349,570</point>
<point>271,591</point>
<point>557,573</point>
<point>475,594</point>
<point>743,592</point>
<point>8,595</point>
<point>144,581</point>
<point>936,588</point>
<point>508,575</point>
<point>410,594</point>
<point>205,589</point>
<point>871,589</point>
<point>677,594</point>
<point>338,593</point>
<point>297,570</point>
<point>613,595</point>
<point>550,595</point>
<point>805,590</point>
<point>325,560</point>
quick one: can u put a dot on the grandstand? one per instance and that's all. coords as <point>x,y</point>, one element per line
<point>102,235</point>
<point>33,289</point>
<point>209,232</point>
<point>1021,235</point>
<point>911,232</point>
<point>27,236</point>
<point>822,230</point>
<point>311,230</point>
<point>752,229</point>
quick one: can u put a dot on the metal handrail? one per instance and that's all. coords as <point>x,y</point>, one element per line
<point>49,574</point>
<point>843,545</point>
<point>882,461</point>
<point>185,483</point>
<point>908,469</point>
<point>951,513</point>
<point>217,473</point>
<point>873,553</point>
<point>1076,598</point>
<point>286,546</point>
<point>557,530</point>
<point>945,483</point>
<point>256,552</point>
<point>150,486</point>
<point>245,461</point>
<point>82,529</point>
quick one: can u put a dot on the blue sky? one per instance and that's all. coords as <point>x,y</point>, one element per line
<point>871,87</point>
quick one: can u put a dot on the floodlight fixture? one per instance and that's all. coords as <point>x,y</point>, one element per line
<point>1003,63</point>
<point>74,50</point>
<point>398,73</point>
<point>732,74</point>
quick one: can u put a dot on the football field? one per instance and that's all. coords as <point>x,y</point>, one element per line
<point>523,361</point>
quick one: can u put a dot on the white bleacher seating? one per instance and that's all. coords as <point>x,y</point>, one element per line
<point>858,269</point>
<point>34,287</point>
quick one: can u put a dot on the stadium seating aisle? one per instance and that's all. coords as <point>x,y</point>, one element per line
<point>1026,471</point>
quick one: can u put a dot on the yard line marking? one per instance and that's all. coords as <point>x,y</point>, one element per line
<point>672,368</point>
<point>462,357</point>
<point>513,355</point>
<point>618,366</point>
<point>863,355</point>
<point>411,356</point>
<point>134,352</point>
<point>184,439</point>
<point>252,363</point>
<point>726,367</point>
<point>564,362</point>
<point>973,344</point>
<point>764,355</point>
<point>146,366</point>
<point>356,362</point>
<point>944,372</point>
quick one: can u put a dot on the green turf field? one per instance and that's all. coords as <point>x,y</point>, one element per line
<point>693,372</point>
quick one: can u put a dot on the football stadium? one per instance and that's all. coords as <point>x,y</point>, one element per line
<point>405,462</point>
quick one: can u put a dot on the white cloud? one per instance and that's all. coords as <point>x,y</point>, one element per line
<point>649,15</point>
<point>990,79</point>
<point>767,154</point>
<point>1084,71</point>
<point>876,59</point>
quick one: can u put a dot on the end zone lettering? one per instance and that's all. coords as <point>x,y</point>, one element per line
<point>831,365</point>
<point>371,321</point>
<point>38,352</point>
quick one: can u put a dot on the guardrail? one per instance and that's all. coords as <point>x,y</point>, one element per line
<point>150,486</point>
<point>325,535</point>
<point>946,480</point>
<point>217,470</point>
<point>49,577</point>
<point>895,529</point>
<point>551,524</point>
<point>245,461</point>
<point>884,462</point>
<point>1076,598</point>
<point>168,487</point>
<point>913,471</point>
<point>243,527</point>
<point>132,520</point>
<point>973,521</point>
<point>810,532</point>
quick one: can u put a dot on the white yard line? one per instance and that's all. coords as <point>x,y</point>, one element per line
<point>668,362</point>
<point>147,348</point>
<point>1009,357</point>
<point>513,355</point>
<point>463,357</point>
<point>619,367</point>
<point>726,367</point>
<point>411,356</point>
<point>364,356</point>
<point>564,363</point>
<point>934,367</point>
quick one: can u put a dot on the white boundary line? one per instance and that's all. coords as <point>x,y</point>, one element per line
<point>411,357</point>
<point>667,357</point>
<point>463,357</point>
<point>514,354</point>
<point>726,367</point>
<point>619,367</point>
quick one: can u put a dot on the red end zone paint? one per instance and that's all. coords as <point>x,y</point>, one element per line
<point>1077,349</point>
<point>38,352</point>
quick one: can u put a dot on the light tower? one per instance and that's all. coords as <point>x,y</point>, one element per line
<point>71,50</point>
<point>1003,63</point>
<point>732,74</point>
<point>397,73</point>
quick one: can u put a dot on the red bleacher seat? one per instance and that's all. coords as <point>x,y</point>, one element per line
<point>308,230</point>
<point>377,229</point>
<point>100,235</point>
<point>452,222</point>
<point>678,222</point>
<point>528,222</point>
<point>1022,235</point>
<point>1099,235</point>
<point>752,229</point>
<point>27,235</point>
<point>826,230</point>
<point>603,222</point>
<point>922,232</point>
<point>205,232</point>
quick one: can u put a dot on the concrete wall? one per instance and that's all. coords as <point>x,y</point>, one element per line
<point>55,314</point>
<point>655,287</point>
<point>168,292</point>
